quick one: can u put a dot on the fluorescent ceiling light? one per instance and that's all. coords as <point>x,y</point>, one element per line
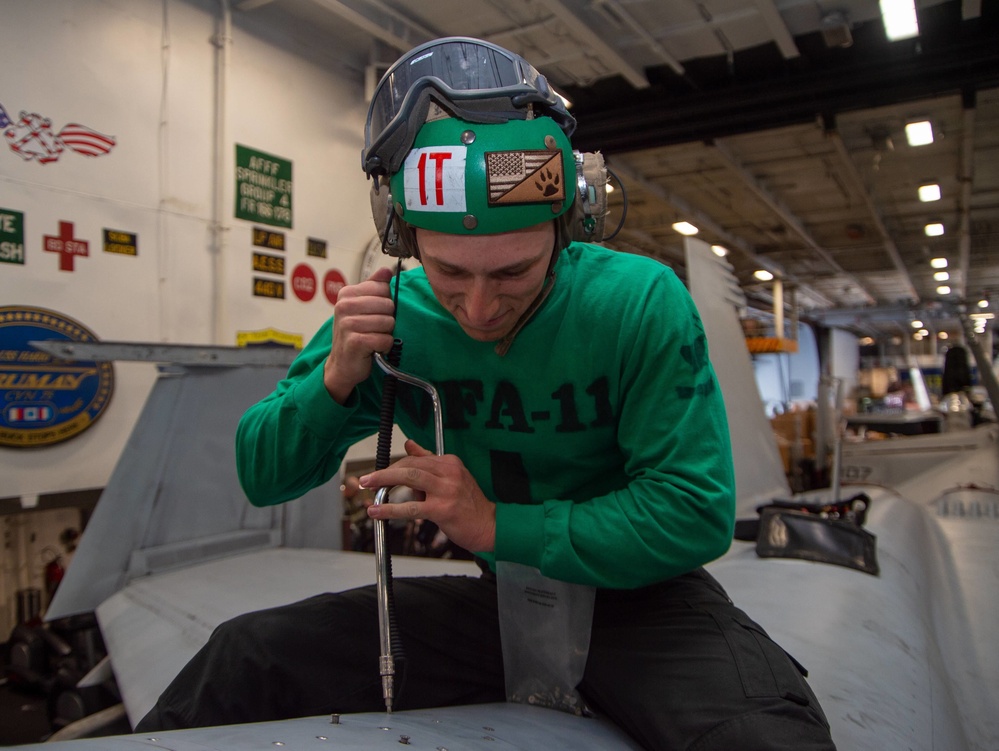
<point>685,228</point>
<point>720,250</point>
<point>941,276</point>
<point>899,18</point>
<point>929,192</point>
<point>763,275</point>
<point>919,133</point>
<point>934,230</point>
<point>943,289</point>
<point>938,263</point>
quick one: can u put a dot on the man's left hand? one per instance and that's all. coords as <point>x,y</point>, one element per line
<point>451,497</point>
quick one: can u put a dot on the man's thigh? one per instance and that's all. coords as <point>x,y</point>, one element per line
<point>681,668</point>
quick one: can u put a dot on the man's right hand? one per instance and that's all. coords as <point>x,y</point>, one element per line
<point>363,321</point>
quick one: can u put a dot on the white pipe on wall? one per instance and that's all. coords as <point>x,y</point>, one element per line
<point>222,40</point>
<point>163,168</point>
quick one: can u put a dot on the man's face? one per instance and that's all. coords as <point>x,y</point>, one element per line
<point>487,281</point>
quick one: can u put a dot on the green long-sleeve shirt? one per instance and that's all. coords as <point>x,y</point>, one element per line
<point>601,434</point>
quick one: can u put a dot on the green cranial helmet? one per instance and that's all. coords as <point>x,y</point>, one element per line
<point>482,178</point>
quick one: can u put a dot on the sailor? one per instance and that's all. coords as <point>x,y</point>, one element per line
<point>587,465</point>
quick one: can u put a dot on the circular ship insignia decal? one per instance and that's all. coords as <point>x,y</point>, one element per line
<point>44,399</point>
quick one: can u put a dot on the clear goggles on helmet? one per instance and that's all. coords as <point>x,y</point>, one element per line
<point>473,80</point>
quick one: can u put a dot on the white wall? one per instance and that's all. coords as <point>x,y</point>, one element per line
<point>144,72</point>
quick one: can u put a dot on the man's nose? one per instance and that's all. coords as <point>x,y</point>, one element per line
<point>481,301</point>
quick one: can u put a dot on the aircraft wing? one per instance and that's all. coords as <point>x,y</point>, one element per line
<point>478,727</point>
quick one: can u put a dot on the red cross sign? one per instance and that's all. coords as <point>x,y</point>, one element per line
<point>66,246</point>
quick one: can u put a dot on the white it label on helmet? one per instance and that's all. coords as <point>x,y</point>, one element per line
<point>434,177</point>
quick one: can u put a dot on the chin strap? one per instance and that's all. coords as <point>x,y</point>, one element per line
<point>503,346</point>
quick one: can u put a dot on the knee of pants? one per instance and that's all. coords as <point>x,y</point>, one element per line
<point>795,728</point>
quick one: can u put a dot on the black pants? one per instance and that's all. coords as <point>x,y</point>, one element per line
<point>676,665</point>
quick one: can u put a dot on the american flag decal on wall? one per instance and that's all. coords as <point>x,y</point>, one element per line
<point>86,141</point>
<point>31,137</point>
<point>524,177</point>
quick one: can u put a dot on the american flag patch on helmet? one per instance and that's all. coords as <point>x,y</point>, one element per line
<point>525,177</point>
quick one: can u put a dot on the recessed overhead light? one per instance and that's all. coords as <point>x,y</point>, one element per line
<point>924,332</point>
<point>983,303</point>
<point>763,275</point>
<point>720,250</point>
<point>609,188</point>
<point>938,263</point>
<point>942,335</point>
<point>934,229</point>
<point>943,289</point>
<point>929,192</point>
<point>917,336</point>
<point>941,276</point>
<point>919,133</point>
<point>899,18</point>
<point>917,324</point>
<point>685,228</point>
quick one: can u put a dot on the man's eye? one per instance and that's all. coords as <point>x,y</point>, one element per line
<point>513,273</point>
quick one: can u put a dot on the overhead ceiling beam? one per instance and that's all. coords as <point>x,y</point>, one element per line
<point>778,29</point>
<point>247,5</point>
<point>965,181</point>
<point>661,116</point>
<point>971,9</point>
<point>616,10</point>
<point>380,23</point>
<point>703,221</point>
<point>591,40</point>
<point>786,215</point>
<point>853,175</point>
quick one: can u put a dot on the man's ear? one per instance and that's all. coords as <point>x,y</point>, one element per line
<point>398,239</point>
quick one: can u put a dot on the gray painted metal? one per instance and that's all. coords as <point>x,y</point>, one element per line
<point>174,499</point>
<point>483,727</point>
<point>176,354</point>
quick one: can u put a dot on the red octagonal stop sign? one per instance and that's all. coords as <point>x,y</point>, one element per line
<point>303,282</point>
<point>333,282</point>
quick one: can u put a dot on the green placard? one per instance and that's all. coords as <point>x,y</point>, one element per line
<point>263,187</point>
<point>11,236</point>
